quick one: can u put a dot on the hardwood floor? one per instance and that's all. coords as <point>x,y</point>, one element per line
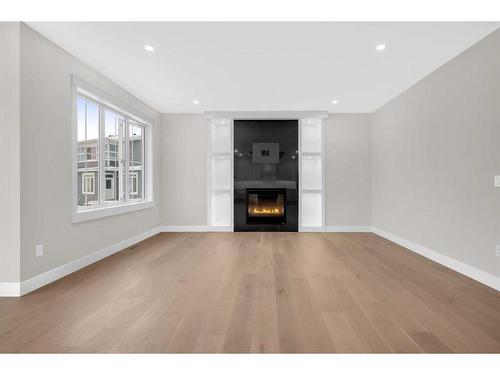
<point>257,292</point>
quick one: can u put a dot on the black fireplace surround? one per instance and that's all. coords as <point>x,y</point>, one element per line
<point>266,175</point>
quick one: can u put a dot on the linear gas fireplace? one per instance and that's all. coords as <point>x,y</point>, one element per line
<point>266,206</point>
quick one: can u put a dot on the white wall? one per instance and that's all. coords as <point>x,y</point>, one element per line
<point>9,152</point>
<point>436,148</point>
<point>46,197</point>
<point>348,170</point>
<point>183,140</point>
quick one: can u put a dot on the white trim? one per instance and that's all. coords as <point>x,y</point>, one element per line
<point>66,269</point>
<point>195,228</point>
<point>10,289</point>
<point>27,286</point>
<point>346,229</point>
<point>74,151</point>
<point>311,229</point>
<point>469,271</point>
<point>111,210</point>
<point>19,289</point>
<point>102,157</point>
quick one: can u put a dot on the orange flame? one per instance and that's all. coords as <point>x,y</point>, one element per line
<point>266,211</point>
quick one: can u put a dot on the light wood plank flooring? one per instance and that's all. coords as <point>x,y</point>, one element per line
<point>257,292</point>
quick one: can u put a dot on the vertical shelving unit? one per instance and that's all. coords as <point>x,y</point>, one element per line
<point>220,175</point>
<point>311,175</point>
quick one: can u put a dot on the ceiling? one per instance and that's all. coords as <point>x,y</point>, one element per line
<point>265,66</point>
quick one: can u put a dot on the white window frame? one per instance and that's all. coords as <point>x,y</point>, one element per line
<point>105,208</point>
<point>85,176</point>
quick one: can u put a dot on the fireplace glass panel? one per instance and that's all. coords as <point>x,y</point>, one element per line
<point>266,206</point>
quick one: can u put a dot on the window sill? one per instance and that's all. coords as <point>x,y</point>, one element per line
<point>98,213</point>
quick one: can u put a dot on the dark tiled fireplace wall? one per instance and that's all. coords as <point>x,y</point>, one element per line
<point>281,173</point>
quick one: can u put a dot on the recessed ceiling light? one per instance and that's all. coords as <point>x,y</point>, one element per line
<point>196,101</point>
<point>380,47</point>
<point>335,101</point>
<point>149,48</point>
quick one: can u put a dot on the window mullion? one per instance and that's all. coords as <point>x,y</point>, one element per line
<point>85,143</point>
<point>101,186</point>
<point>121,160</point>
<point>126,160</point>
<point>144,163</point>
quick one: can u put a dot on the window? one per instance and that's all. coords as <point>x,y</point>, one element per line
<point>134,183</point>
<point>88,183</point>
<point>109,182</point>
<point>92,153</point>
<point>110,156</point>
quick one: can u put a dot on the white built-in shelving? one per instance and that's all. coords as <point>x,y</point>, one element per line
<point>220,175</point>
<point>311,155</point>
<point>311,175</point>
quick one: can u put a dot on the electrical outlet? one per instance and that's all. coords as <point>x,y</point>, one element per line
<point>39,250</point>
<point>497,181</point>
<point>497,250</point>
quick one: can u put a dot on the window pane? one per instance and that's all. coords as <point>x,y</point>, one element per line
<point>113,168</point>
<point>81,119</point>
<point>88,152</point>
<point>136,160</point>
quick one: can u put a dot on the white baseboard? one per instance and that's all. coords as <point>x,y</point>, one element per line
<point>470,271</point>
<point>20,289</point>
<point>10,290</point>
<point>311,229</point>
<point>348,229</point>
<point>194,228</point>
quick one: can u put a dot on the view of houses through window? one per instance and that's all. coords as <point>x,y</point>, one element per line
<point>110,149</point>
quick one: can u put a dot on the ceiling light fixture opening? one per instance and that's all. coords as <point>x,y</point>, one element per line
<point>196,101</point>
<point>335,101</point>
<point>149,48</point>
<point>380,47</point>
